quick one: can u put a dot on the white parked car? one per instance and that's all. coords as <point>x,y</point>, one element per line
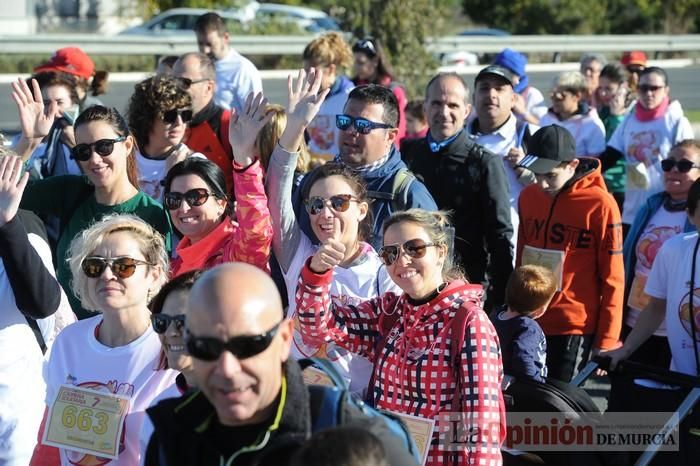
<point>307,19</point>
<point>178,21</point>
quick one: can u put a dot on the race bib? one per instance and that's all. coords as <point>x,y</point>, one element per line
<point>86,420</point>
<point>638,299</point>
<point>421,430</point>
<point>313,376</point>
<point>550,259</point>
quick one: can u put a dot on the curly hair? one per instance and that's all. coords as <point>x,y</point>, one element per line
<point>153,97</point>
<point>329,49</point>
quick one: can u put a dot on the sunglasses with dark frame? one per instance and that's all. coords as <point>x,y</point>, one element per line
<point>194,198</point>
<point>339,203</point>
<point>643,88</point>
<point>362,125</point>
<point>242,347</point>
<point>187,82</point>
<point>170,116</point>
<point>161,322</point>
<point>103,148</point>
<point>682,165</point>
<point>122,267</point>
<point>413,248</point>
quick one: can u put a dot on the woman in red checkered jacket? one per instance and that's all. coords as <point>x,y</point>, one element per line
<point>435,353</point>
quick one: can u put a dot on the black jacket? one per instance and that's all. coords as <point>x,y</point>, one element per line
<point>471,181</point>
<point>183,426</point>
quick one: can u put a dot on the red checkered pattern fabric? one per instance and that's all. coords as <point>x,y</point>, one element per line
<point>414,373</point>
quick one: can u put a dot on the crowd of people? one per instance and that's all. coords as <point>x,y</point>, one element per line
<point>171,272</point>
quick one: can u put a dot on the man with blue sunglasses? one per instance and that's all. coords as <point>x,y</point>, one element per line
<point>368,131</point>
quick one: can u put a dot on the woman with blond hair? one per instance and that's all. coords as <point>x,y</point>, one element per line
<point>332,55</point>
<point>118,265</point>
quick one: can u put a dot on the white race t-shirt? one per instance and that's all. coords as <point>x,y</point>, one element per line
<point>662,226</point>
<point>361,282</point>
<point>670,280</point>
<point>644,145</point>
<point>78,358</point>
<point>323,134</point>
<point>152,172</point>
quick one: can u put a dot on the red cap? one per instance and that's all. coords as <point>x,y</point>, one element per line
<point>70,60</point>
<point>635,57</point>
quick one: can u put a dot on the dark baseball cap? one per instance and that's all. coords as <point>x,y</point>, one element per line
<point>496,70</point>
<point>548,148</point>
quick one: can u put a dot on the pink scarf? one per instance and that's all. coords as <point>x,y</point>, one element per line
<point>644,114</point>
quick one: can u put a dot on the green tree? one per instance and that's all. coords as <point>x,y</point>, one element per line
<point>403,27</point>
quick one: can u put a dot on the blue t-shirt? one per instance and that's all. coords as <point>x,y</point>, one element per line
<point>523,347</point>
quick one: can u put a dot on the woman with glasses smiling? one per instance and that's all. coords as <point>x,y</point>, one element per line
<point>105,152</point>
<point>118,265</point>
<point>200,208</point>
<point>158,113</point>
<point>337,203</point>
<point>644,138</point>
<point>434,351</point>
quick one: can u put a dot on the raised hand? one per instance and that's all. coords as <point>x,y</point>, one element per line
<point>245,126</point>
<point>36,120</point>
<point>13,180</point>
<point>304,98</point>
<point>331,253</point>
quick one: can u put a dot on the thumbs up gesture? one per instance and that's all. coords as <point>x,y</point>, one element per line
<point>331,252</point>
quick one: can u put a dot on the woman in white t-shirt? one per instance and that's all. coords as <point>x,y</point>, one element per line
<point>158,113</point>
<point>338,208</point>
<point>118,264</point>
<point>570,110</point>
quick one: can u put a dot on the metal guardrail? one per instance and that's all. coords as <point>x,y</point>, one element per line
<point>294,45</point>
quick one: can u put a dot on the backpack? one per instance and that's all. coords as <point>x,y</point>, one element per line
<point>398,195</point>
<point>327,406</point>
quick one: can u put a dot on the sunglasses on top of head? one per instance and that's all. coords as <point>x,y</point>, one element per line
<point>682,165</point>
<point>242,347</point>
<point>413,248</point>
<point>103,148</point>
<point>339,203</point>
<point>122,267</point>
<point>170,116</point>
<point>161,322</point>
<point>194,198</point>
<point>362,125</point>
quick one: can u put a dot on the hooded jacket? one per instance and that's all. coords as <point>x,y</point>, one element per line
<point>582,220</point>
<point>413,371</point>
<point>380,179</point>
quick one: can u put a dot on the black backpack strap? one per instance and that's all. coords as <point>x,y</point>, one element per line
<point>398,196</point>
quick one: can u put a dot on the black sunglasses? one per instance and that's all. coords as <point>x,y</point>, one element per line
<point>648,87</point>
<point>103,147</point>
<point>242,347</point>
<point>161,322</point>
<point>339,203</point>
<point>170,116</point>
<point>194,198</point>
<point>362,125</point>
<point>187,82</point>
<point>682,165</point>
<point>414,248</point>
<point>122,267</point>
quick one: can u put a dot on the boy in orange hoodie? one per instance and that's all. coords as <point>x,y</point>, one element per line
<point>570,224</point>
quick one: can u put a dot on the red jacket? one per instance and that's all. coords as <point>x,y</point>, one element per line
<point>413,371</point>
<point>247,240</point>
<point>583,221</point>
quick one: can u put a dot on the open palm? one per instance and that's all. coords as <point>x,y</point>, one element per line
<point>13,180</point>
<point>304,99</point>
<point>36,120</point>
<point>245,126</point>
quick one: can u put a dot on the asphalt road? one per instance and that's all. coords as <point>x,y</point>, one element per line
<point>683,87</point>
